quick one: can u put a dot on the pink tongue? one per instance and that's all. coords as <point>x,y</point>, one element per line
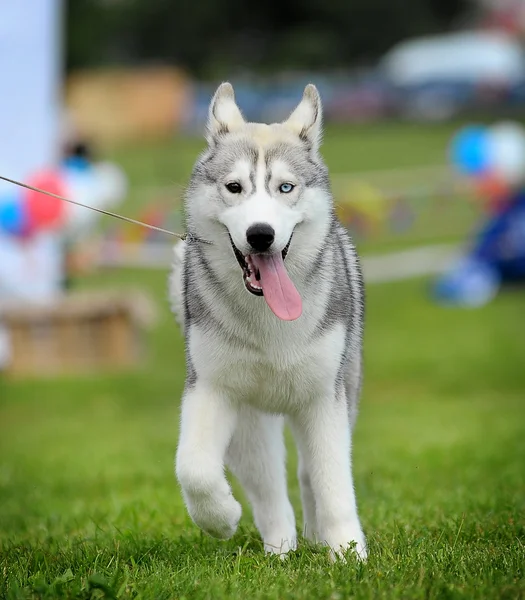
<point>279,291</point>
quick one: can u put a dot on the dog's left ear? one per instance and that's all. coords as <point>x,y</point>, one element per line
<point>224,114</point>
<point>306,119</point>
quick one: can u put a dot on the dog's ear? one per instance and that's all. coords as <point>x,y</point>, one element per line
<point>224,114</point>
<point>306,119</point>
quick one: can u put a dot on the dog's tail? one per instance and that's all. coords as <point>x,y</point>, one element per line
<point>176,283</point>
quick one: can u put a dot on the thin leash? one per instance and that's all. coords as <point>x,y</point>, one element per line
<point>188,237</point>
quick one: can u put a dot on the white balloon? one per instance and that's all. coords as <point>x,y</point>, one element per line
<point>103,186</point>
<point>506,149</point>
<point>111,183</point>
<point>80,188</point>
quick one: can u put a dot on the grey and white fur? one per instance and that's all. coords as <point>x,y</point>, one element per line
<point>254,361</point>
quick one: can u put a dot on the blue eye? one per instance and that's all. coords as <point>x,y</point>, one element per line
<point>286,188</point>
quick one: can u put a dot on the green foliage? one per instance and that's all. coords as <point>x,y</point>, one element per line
<point>213,37</point>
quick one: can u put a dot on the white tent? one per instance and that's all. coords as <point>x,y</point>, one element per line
<point>30,109</point>
<point>30,68</point>
<point>467,56</point>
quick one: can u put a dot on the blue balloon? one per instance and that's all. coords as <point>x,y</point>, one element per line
<point>13,218</point>
<point>469,150</point>
<point>76,163</point>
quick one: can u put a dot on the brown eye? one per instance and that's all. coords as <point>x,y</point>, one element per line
<point>234,187</point>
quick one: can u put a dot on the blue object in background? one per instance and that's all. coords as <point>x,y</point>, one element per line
<point>13,218</point>
<point>470,283</point>
<point>469,150</point>
<point>501,243</point>
<point>497,256</point>
<point>76,163</point>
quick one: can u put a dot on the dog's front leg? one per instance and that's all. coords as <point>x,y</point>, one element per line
<point>207,424</point>
<point>324,439</point>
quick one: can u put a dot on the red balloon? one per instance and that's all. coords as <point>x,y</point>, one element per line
<point>45,212</point>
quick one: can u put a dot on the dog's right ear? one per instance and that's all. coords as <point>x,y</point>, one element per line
<point>224,114</point>
<point>306,119</point>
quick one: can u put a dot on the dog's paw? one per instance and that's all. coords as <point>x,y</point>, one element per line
<point>310,532</point>
<point>218,517</point>
<point>280,545</point>
<point>277,528</point>
<point>341,553</point>
<point>344,540</point>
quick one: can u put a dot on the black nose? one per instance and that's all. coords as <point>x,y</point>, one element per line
<point>260,236</point>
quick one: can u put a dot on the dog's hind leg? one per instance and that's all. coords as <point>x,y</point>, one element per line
<point>257,457</point>
<point>207,424</point>
<point>307,494</point>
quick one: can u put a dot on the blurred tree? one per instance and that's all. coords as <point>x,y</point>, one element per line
<point>208,37</point>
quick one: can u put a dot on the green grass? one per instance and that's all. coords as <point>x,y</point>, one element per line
<point>89,506</point>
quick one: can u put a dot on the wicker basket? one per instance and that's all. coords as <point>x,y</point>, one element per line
<point>81,333</point>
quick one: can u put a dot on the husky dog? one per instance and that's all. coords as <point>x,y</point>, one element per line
<point>272,312</point>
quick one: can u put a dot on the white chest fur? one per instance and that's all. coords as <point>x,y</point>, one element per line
<point>276,375</point>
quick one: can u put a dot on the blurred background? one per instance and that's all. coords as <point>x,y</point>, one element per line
<point>105,101</point>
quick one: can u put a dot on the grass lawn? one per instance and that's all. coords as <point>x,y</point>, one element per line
<point>89,506</point>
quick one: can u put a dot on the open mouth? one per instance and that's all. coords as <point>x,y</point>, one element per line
<point>266,275</point>
<point>250,272</point>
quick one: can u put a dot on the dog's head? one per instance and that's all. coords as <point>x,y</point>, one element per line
<point>263,191</point>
